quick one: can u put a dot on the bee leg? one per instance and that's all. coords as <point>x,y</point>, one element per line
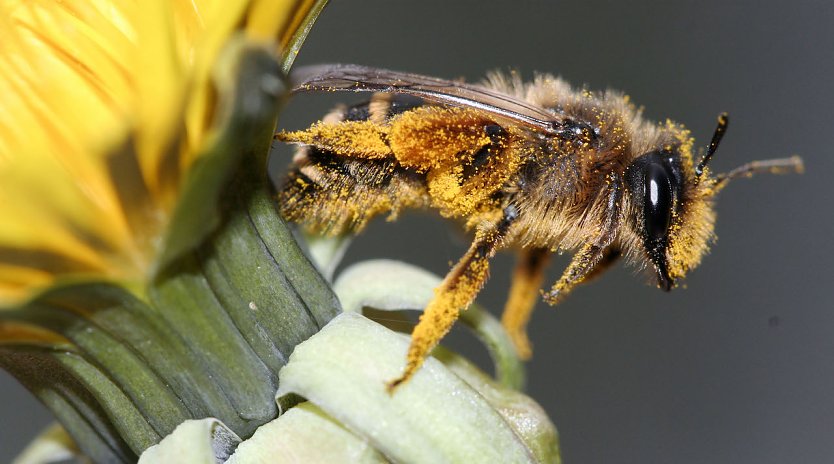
<point>527,279</point>
<point>586,262</point>
<point>609,258</point>
<point>455,294</point>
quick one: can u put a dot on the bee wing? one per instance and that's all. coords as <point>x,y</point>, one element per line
<point>354,78</point>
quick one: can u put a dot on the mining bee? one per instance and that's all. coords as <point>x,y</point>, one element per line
<point>538,166</point>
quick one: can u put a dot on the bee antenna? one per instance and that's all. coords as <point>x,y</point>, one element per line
<point>773,166</point>
<point>723,120</point>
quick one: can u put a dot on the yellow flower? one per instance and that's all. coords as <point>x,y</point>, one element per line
<point>105,106</point>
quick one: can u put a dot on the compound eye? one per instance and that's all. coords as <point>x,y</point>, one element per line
<point>657,201</point>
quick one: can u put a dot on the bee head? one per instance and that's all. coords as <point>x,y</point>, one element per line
<point>671,206</point>
<point>671,201</point>
<point>673,214</point>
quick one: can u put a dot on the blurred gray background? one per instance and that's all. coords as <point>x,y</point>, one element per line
<point>736,368</point>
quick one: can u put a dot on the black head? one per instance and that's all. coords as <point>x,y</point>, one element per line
<point>655,182</point>
<point>671,202</point>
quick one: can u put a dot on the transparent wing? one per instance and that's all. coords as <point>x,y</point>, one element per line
<point>354,78</point>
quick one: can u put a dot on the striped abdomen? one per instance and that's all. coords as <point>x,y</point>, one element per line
<point>332,193</point>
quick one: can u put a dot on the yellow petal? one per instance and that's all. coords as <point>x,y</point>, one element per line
<point>106,104</point>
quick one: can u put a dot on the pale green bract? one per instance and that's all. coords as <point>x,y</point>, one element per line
<point>305,434</point>
<point>390,285</point>
<point>199,441</point>
<point>436,417</point>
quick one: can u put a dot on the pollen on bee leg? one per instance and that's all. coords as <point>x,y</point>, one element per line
<point>455,294</point>
<point>527,280</point>
<point>581,266</point>
<point>351,138</point>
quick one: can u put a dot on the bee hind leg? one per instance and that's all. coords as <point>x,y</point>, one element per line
<point>457,291</point>
<point>527,280</point>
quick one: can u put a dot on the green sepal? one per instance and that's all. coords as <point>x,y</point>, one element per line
<point>257,82</point>
<point>254,81</point>
<point>300,35</point>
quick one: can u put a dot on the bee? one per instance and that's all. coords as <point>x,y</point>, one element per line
<point>538,167</point>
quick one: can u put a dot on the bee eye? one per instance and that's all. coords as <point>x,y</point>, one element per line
<point>655,183</point>
<point>657,201</point>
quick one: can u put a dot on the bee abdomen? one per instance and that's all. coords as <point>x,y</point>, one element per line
<point>331,194</point>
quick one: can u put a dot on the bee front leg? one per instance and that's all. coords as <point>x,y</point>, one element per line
<point>455,294</point>
<point>527,280</point>
<point>591,258</point>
